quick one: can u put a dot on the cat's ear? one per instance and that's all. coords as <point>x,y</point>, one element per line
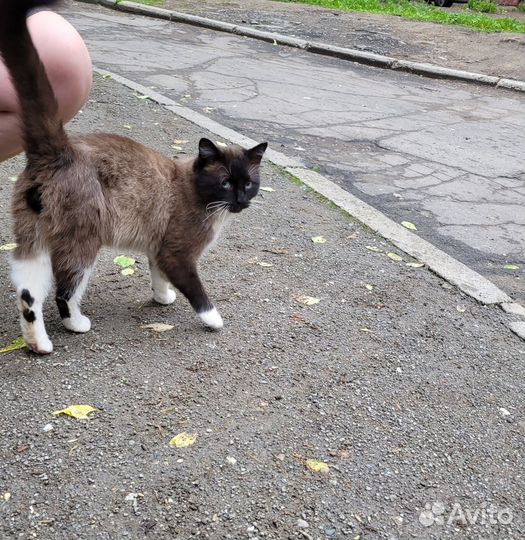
<point>208,152</point>
<point>256,153</point>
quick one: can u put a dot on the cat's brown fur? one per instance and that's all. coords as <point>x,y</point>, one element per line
<point>80,193</point>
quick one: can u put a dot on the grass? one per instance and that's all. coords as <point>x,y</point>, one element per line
<point>146,2</point>
<point>421,11</point>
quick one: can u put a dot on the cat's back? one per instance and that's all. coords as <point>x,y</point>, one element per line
<point>123,162</point>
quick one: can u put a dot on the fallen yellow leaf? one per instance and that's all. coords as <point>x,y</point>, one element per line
<point>415,264</point>
<point>374,249</point>
<point>18,343</point>
<point>409,225</point>
<point>127,271</point>
<point>308,300</point>
<point>183,440</point>
<point>268,189</point>
<point>157,327</point>
<point>318,239</point>
<point>265,264</point>
<point>179,141</point>
<point>7,247</point>
<point>317,466</point>
<point>80,412</point>
<point>394,256</point>
<point>124,261</point>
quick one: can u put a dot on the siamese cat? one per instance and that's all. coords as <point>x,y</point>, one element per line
<point>79,193</point>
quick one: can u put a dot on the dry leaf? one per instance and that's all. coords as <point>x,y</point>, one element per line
<point>183,440</point>
<point>308,300</point>
<point>374,249</point>
<point>265,264</point>
<point>106,76</point>
<point>267,189</point>
<point>7,247</point>
<point>179,141</point>
<point>18,343</point>
<point>80,412</point>
<point>394,256</point>
<point>175,147</point>
<point>127,126</point>
<point>415,264</point>
<point>127,271</point>
<point>318,240</point>
<point>140,96</point>
<point>409,225</point>
<point>317,466</point>
<point>369,287</point>
<point>157,327</point>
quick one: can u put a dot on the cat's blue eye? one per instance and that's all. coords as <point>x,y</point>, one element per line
<point>226,184</point>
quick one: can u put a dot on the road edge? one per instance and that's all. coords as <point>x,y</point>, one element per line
<point>324,49</point>
<point>455,272</point>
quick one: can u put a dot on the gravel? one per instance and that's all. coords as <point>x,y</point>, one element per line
<point>394,388</point>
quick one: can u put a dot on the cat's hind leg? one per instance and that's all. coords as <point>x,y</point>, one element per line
<point>162,292</point>
<point>33,277</point>
<point>72,276</point>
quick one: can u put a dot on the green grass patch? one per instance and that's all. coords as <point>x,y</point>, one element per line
<point>421,11</point>
<point>146,2</point>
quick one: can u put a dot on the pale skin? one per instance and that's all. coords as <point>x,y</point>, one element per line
<point>68,67</point>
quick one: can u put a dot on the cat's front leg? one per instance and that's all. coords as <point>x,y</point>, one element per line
<point>162,292</point>
<point>184,276</point>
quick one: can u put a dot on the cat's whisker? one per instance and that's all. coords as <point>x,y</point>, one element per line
<point>216,211</point>
<point>214,204</point>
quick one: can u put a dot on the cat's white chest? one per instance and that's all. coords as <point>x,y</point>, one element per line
<point>216,229</point>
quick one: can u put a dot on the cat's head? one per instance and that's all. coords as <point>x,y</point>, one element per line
<point>227,175</point>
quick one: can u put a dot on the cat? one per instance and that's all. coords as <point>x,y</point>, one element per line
<point>79,193</point>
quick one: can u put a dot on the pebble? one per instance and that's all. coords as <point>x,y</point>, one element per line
<point>302,524</point>
<point>231,460</point>
<point>47,428</point>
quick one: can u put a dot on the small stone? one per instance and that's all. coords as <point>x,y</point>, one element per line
<point>47,428</point>
<point>280,457</point>
<point>518,327</point>
<point>398,520</point>
<point>250,529</point>
<point>329,533</point>
<point>302,524</point>
<point>7,496</point>
<point>504,412</point>
<point>230,460</point>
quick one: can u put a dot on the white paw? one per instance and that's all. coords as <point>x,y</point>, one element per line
<point>212,319</point>
<point>165,298</point>
<point>42,346</point>
<point>78,323</point>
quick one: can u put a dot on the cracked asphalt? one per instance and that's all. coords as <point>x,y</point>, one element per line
<point>445,156</point>
<point>409,390</point>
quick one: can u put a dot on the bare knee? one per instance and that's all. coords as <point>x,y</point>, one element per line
<point>65,58</point>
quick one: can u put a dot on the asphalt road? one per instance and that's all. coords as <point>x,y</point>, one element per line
<point>410,392</point>
<point>447,157</point>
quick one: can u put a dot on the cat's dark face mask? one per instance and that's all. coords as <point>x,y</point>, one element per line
<point>229,176</point>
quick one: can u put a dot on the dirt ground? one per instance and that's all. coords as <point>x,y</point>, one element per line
<point>411,392</point>
<point>500,54</point>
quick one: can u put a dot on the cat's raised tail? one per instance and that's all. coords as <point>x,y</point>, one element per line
<point>43,134</point>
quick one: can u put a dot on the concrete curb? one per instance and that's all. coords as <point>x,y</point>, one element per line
<point>353,55</point>
<point>455,272</point>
